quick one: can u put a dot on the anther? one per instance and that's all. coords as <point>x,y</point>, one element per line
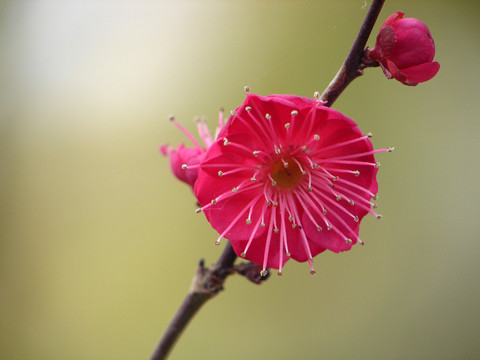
<point>235,189</point>
<point>184,166</point>
<point>274,183</point>
<point>316,137</point>
<point>275,204</point>
<point>287,126</point>
<point>253,179</point>
<point>214,201</point>
<point>262,224</point>
<point>279,273</point>
<point>269,203</point>
<point>198,211</point>
<point>369,135</point>
<point>248,221</point>
<point>248,108</point>
<point>329,227</point>
<point>313,272</point>
<point>276,230</point>
<point>324,211</point>
<point>356,173</point>
<point>294,226</point>
<point>361,242</point>
<point>263,273</point>
<point>319,228</point>
<point>375,206</point>
<point>247,89</point>
<point>288,254</point>
<point>256,152</point>
<point>351,202</point>
<point>243,255</point>
<point>339,197</point>
<point>355,218</point>
<point>316,95</point>
<point>377,165</point>
<point>225,141</point>
<point>294,112</point>
<point>348,241</point>
<point>379,216</point>
<point>233,112</point>
<point>335,178</point>
<point>220,173</point>
<point>375,197</point>
<point>309,189</point>
<point>390,149</point>
<point>216,243</point>
<point>268,116</point>
<point>171,117</point>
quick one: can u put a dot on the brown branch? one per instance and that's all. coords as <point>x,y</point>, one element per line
<point>208,282</point>
<point>352,67</point>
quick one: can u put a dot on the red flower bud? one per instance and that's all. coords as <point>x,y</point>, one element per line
<point>405,50</point>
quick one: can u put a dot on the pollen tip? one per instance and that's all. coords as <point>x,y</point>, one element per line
<point>361,242</point>
<point>279,273</point>
<point>379,217</point>
<point>220,173</point>
<point>377,165</point>
<point>355,218</point>
<point>316,137</point>
<point>225,141</point>
<point>263,273</point>
<point>287,126</point>
<point>288,254</point>
<point>243,255</point>
<point>214,201</point>
<point>246,89</point>
<point>217,242</point>
<point>294,112</point>
<point>171,117</point>
<point>369,135</point>
<point>329,227</point>
<point>248,221</point>
<point>356,173</point>
<point>375,206</point>
<point>198,211</point>
<point>319,228</point>
<point>339,198</point>
<point>233,112</point>
<point>184,166</point>
<point>348,241</point>
<point>268,116</point>
<point>309,189</point>
<point>313,272</point>
<point>351,202</point>
<point>248,108</point>
<point>316,95</point>
<point>390,149</point>
<point>221,109</point>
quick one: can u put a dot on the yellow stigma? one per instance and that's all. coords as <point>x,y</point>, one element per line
<point>286,173</point>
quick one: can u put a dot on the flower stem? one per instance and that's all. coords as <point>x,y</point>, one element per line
<point>353,67</point>
<point>206,283</point>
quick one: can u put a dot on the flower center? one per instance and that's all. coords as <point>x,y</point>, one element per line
<point>285,172</point>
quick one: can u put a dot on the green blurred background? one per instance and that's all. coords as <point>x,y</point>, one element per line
<point>99,242</point>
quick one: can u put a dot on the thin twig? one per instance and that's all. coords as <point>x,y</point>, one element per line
<point>205,285</point>
<point>352,66</point>
<point>209,281</point>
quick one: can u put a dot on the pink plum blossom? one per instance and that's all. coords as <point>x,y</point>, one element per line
<point>405,50</point>
<point>287,178</point>
<point>190,155</point>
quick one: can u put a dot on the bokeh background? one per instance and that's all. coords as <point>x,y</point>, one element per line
<point>99,242</point>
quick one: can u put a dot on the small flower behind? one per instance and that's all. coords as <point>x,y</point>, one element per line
<point>287,178</point>
<point>405,50</point>
<point>187,155</point>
